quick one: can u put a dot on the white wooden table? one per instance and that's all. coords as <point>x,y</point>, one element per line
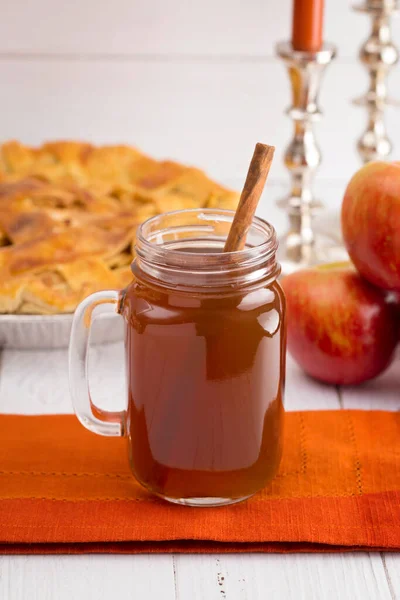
<point>36,382</point>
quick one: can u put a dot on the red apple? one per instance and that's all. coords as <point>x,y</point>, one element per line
<point>341,329</point>
<point>371,223</point>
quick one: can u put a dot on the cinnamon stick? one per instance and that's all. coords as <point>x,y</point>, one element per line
<point>252,190</point>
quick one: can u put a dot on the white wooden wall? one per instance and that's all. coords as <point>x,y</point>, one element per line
<point>195,80</point>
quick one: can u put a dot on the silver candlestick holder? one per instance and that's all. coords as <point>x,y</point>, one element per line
<point>378,54</point>
<point>302,246</point>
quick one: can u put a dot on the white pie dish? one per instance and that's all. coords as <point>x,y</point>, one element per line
<point>24,332</point>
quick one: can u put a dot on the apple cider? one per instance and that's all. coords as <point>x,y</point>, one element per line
<point>205,351</point>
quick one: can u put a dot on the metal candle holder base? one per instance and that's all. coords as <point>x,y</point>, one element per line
<point>378,54</point>
<point>301,246</point>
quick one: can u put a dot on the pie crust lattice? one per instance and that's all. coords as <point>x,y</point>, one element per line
<point>68,216</point>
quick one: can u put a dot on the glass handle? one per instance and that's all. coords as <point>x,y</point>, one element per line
<point>96,420</point>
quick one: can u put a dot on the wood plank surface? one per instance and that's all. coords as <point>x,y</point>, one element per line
<point>152,27</point>
<point>188,111</point>
<point>36,382</point>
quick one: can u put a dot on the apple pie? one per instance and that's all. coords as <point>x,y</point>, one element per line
<point>68,216</point>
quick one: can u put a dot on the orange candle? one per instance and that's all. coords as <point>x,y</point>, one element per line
<point>307,25</point>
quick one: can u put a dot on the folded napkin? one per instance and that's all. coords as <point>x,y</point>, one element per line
<point>65,490</point>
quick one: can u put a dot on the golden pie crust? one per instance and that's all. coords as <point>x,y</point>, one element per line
<point>68,216</point>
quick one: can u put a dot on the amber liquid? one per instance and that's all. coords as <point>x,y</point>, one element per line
<point>205,385</point>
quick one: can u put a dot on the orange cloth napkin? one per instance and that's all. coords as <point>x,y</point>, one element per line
<point>65,490</point>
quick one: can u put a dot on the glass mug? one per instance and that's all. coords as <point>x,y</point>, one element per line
<point>205,359</point>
